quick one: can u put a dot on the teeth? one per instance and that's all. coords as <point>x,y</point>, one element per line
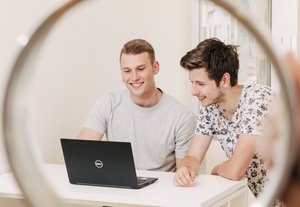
<point>136,84</point>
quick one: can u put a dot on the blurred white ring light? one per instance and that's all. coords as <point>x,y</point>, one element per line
<point>21,153</point>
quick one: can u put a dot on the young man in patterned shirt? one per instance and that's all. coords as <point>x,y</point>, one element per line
<point>230,112</point>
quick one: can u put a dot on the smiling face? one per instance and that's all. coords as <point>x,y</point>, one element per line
<point>205,89</point>
<point>138,74</point>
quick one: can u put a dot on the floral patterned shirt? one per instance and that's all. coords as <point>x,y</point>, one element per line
<point>253,106</point>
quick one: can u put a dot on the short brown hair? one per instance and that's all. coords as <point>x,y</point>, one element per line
<point>138,46</point>
<point>216,58</point>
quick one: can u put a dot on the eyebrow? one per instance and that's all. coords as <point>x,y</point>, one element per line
<point>138,66</point>
<point>196,81</point>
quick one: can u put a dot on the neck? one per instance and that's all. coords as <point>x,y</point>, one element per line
<point>231,99</point>
<point>151,100</point>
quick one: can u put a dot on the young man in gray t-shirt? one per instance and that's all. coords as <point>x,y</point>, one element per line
<point>158,126</point>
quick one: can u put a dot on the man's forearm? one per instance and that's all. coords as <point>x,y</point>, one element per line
<point>191,163</point>
<point>228,171</point>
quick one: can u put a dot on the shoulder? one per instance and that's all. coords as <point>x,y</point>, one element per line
<point>171,99</point>
<point>173,102</point>
<point>258,91</point>
<point>258,88</point>
<point>257,99</point>
<point>175,106</point>
<point>114,97</point>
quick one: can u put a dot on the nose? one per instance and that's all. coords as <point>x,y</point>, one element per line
<point>195,90</point>
<point>135,75</point>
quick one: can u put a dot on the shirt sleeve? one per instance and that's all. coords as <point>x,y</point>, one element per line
<point>97,118</point>
<point>184,134</point>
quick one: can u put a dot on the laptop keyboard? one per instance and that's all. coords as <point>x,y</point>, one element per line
<point>141,179</point>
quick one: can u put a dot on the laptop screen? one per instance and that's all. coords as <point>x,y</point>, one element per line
<point>102,163</point>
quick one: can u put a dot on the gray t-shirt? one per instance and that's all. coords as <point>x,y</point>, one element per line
<point>254,105</point>
<point>158,134</point>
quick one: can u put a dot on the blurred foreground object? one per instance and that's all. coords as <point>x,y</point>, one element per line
<point>290,195</point>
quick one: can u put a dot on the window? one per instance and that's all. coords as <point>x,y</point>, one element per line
<point>216,22</point>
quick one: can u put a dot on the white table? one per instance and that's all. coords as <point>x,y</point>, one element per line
<point>208,190</point>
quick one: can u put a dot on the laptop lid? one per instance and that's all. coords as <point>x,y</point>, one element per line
<point>101,163</point>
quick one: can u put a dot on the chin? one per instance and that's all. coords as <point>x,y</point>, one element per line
<point>205,104</point>
<point>133,90</point>
<point>137,93</point>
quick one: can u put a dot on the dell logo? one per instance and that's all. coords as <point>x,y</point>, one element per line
<point>98,163</point>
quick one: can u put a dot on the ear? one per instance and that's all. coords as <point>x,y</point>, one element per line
<point>225,81</point>
<point>156,67</point>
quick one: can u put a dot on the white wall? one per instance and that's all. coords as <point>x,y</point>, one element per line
<point>79,59</point>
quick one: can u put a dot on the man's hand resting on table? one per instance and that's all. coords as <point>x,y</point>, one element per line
<point>184,177</point>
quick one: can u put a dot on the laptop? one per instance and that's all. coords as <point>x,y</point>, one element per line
<point>102,163</point>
